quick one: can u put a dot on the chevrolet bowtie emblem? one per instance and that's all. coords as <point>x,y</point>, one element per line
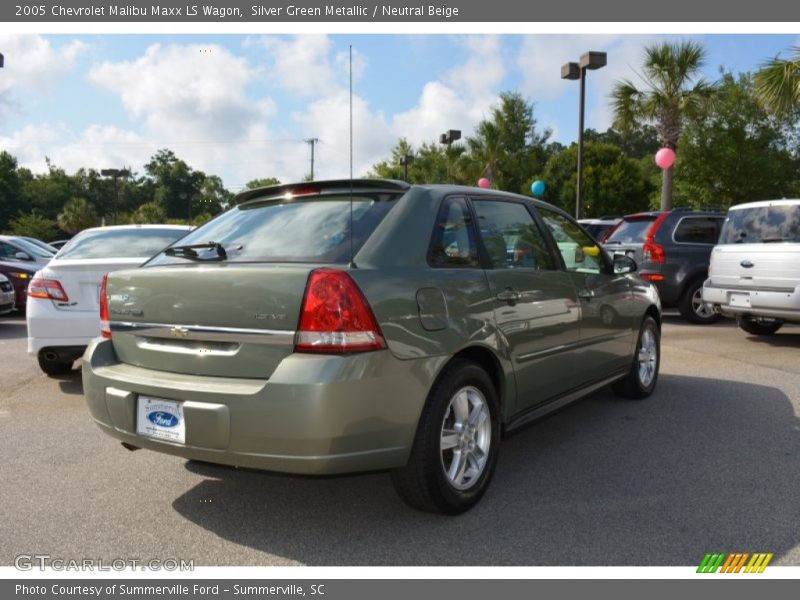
<point>179,332</point>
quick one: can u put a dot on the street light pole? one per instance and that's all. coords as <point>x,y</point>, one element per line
<point>406,160</point>
<point>116,174</point>
<point>448,137</point>
<point>572,71</point>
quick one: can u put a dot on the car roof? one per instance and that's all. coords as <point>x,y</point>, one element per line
<point>145,226</point>
<point>762,203</point>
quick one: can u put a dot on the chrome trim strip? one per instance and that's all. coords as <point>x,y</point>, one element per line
<point>269,337</point>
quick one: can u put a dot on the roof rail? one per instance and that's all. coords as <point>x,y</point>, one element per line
<point>699,208</point>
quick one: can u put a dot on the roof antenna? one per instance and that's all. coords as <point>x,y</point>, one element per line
<point>352,262</point>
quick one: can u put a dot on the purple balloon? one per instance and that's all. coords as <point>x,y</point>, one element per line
<point>665,158</point>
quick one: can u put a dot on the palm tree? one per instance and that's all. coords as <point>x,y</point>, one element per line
<point>76,216</point>
<point>778,84</point>
<point>486,153</point>
<point>672,92</point>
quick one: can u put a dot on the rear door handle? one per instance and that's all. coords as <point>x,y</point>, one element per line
<point>508,295</point>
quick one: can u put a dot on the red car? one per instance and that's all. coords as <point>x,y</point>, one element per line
<point>20,275</point>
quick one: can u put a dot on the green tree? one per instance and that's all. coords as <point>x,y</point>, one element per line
<point>177,185</point>
<point>47,193</point>
<point>507,148</point>
<point>77,215</point>
<point>33,225</point>
<point>613,183</point>
<point>777,84</point>
<point>263,182</point>
<point>147,213</point>
<point>734,152</point>
<point>673,92</point>
<point>10,187</point>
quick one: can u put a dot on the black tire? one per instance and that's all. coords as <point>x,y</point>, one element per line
<point>758,325</point>
<point>640,381</point>
<point>55,367</point>
<point>693,309</point>
<point>424,482</point>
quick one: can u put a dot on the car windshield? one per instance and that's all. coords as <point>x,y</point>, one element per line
<point>774,223</point>
<point>630,231</point>
<point>120,243</point>
<point>309,229</point>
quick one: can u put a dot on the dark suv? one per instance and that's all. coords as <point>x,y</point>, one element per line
<point>672,249</point>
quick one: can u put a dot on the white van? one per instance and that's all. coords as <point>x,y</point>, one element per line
<point>754,273</point>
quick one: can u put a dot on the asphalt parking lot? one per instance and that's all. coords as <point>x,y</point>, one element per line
<point>709,463</point>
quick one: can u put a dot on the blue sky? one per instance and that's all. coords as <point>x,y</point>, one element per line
<point>240,106</point>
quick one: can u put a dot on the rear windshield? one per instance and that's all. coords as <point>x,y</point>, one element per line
<point>120,243</point>
<point>778,223</point>
<point>631,231</point>
<point>312,229</point>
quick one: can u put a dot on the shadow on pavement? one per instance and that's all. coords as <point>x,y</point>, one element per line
<point>781,339</point>
<point>13,328</point>
<point>703,465</point>
<point>71,383</point>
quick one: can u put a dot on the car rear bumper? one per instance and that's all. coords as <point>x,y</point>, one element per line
<point>315,415</point>
<point>49,327</point>
<point>777,304</point>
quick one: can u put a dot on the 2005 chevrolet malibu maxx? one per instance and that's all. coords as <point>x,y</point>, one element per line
<point>348,326</point>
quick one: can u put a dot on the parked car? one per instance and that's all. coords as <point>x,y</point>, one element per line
<point>58,244</point>
<point>62,311</point>
<point>19,274</point>
<point>16,248</point>
<point>6,295</point>
<point>336,327</point>
<point>755,268</point>
<point>598,228</point>
<point>672,250</point>
<point>43,245</point>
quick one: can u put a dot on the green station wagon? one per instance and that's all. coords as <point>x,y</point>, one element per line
<point>346,326</point>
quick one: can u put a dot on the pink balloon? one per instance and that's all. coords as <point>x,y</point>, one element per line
<point>483,182</point>
<point>665,158</point>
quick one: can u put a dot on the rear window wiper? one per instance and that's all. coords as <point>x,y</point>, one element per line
<point>190,251</point>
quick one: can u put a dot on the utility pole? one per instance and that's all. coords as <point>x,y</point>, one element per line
<point>311,142</point>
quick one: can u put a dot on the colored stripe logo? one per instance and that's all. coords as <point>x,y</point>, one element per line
<point>737,562</point>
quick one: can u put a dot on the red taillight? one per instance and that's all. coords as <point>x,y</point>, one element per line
<point>336,317</point>
<point>48,289</point>
<point>652,276</point>
<point>105,328</point>
<point>651,251</point>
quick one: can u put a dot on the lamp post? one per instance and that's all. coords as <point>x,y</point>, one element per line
<point>116,174</point>
<point>588,61</point>
<point>404,161</point>
<point>448,137</point>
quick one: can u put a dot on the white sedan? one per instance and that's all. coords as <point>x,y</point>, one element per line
<point>63,306</point>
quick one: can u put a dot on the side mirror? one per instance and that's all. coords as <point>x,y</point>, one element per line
<point>22,255</point>
<point>623,264</point>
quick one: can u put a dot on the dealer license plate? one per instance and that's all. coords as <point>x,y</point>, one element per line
<point>160,419</point>
<point>741,300</point>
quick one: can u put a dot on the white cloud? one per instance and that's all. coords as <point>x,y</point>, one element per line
<point>33,63</point>
<point>193,99</point>
<point>461,98</point>
<point>95,147</point>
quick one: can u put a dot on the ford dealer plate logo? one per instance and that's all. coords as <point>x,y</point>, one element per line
<point>163,419</point>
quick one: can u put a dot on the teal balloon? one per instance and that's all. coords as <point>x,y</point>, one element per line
<point>537,188</point>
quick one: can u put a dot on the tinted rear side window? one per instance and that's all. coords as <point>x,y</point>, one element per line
<point>309,229</point>
<point>777,223</point>
<point>453,243</point>
<point>696,230</point>
<point>631,231</point>
<point>120,243</point>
